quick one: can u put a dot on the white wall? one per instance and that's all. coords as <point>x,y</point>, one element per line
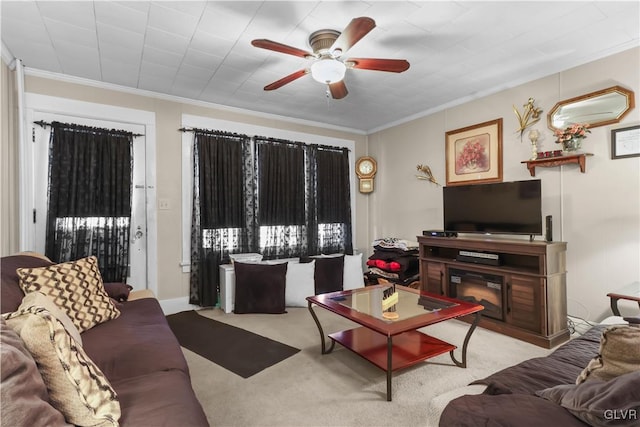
<point>597,213</point>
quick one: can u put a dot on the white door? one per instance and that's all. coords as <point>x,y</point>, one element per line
<point>138,240</point>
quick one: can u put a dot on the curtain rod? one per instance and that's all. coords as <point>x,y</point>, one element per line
<point>285,141</point>
<point>263,138</point>
<point>45,124</point>
<point>214,132</point>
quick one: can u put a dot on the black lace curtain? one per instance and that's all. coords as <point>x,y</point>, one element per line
<point>89,203</point>
<point>292,200</point>
<point>282,177</point>
<point>281,183</point>
<point>333,201</point>
<point>222,219</point>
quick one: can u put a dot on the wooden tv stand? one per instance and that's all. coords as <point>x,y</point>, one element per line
<point>534,287</point>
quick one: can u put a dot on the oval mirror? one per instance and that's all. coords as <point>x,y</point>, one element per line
<point>599,108</point>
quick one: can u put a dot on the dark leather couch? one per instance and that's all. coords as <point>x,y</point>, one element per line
<point>137,352</point>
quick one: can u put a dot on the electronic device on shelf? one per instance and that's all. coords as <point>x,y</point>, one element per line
<point>439,233</point>
<point>500,208</point>
<point>478,257</point>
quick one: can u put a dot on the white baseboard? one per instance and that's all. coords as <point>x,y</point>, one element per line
<point>176,305</point>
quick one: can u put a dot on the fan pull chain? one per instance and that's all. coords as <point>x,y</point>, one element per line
<point>328,95</point>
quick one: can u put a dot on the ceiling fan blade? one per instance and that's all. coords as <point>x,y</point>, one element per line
<point>357,29</point>
<point>282,48</point>
<point>338,90</point>
<point>287,79</point>
<point>390,65</point>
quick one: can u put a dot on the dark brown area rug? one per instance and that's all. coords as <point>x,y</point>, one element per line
<point>235,349</point>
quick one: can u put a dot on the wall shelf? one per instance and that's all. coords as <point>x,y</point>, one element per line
<point>579,159</point>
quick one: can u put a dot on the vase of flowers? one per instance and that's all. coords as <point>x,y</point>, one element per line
<point>571,137</point>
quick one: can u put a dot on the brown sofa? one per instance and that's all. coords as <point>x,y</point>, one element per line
<point>543,392</point>
<point>137,352</point>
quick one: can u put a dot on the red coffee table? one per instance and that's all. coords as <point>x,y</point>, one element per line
<point>389,338</point>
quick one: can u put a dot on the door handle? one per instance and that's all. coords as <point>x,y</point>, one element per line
<point>139,233</point>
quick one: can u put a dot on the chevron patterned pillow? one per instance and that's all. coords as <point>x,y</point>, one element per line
<point>76,287</point>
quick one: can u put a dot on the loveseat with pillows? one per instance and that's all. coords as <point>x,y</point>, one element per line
<point>76,351</point>
<point>593,379</point>
<point>271,286</point>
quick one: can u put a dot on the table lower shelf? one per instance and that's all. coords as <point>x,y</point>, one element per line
<point>408,348</point>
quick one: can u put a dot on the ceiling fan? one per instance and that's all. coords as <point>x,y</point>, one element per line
<point>327,63</point>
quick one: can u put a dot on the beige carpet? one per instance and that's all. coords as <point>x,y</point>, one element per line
<point>340,388</point>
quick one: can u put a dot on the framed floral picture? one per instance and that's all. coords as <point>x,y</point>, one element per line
<point>474,154</point>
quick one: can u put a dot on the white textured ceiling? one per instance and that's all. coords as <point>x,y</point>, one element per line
<point>202,50</point>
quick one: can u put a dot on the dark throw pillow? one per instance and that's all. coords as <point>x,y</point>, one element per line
<point>118,291</point>
<point>12,294</point>
<point>600,403</point>
<point>329,275</point>
<point>260,288</point>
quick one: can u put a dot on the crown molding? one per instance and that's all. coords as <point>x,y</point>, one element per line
<point>7,56</point>
<point>535,75</point>
<point>173,98</point>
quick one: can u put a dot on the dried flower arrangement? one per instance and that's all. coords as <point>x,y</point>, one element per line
<point>529,116</point>
<point>426,174</point>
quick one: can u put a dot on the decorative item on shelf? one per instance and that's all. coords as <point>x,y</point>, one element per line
<point>571,137</point>
<point>530,115</point>
<point>366,169</point>
<point>427,175</point>
<point>389,299</point>
<point>547,154</point>
<point>533,136</point>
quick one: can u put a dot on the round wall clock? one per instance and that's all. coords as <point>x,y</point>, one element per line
<point>366,168</point>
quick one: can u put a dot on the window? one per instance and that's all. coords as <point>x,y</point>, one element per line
<point>191,121</point>
<point>276,210</point>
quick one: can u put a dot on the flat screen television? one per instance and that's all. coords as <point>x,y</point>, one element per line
<point>501,208</point>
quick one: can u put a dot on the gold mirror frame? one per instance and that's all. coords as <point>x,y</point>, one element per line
<point>600,108</point>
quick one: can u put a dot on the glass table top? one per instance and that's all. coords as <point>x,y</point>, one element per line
<point>382,303</point>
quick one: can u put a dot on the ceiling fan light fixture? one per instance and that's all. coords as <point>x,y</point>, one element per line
<point>326,64</point>
<point>328,70</point>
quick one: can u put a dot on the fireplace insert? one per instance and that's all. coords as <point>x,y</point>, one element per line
<point>480,288</point>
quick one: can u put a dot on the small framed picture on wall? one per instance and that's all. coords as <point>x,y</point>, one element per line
<point>625,142</point>
<point>473,154</point>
